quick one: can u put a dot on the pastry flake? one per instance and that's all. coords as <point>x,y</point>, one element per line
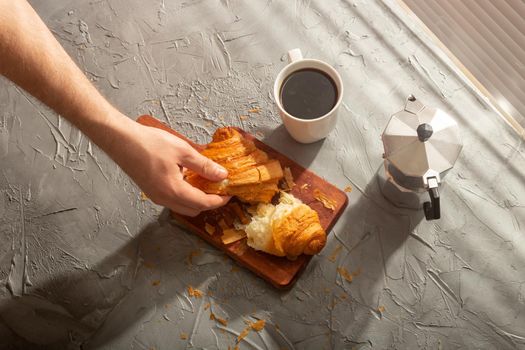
<point>288,178</point>
<point>327,202</point>
<point>230,236</point>
<point>194,292</point>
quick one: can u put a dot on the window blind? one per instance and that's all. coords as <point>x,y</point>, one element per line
<point>488,38</point>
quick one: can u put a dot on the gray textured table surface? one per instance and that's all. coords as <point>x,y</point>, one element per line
<point>84,261</point>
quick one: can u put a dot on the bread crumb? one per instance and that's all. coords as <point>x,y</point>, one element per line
<point>243,334</point>
<point>230,236</point>
<point>222,321</point>
<point>143,196</point>
<point>381,309</point>
<point>335,253</point>
<point>258,326</point>
<point>155,283</point>
<point>348,189</point>
<point>194,292</point>
<point>327,202</point>
<point>207,306</point>
<point>288,178</point>
<point>254,110</point>
<point>210,229</point>
<point>345,274</point>
<point>218,319</point>
<point>243,117</point>
<point>183,336</point>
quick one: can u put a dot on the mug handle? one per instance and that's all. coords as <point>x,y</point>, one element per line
<point>294,55</point>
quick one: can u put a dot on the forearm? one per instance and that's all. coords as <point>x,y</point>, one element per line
<point>31,57</point>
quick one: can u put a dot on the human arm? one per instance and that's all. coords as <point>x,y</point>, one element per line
<point>32,58</point>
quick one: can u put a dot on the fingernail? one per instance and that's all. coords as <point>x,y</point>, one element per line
<point>221,171</point>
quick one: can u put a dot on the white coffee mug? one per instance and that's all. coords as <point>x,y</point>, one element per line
<point>307,130</point>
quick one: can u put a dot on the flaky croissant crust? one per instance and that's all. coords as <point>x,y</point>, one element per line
<point>252,176</point>
<point>299,232</point>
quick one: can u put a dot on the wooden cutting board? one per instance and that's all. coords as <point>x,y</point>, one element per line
<point>280,272</point>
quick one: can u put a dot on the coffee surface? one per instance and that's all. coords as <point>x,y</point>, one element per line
<point>308,94</point>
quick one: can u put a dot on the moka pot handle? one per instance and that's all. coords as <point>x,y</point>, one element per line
<point>432,209</point>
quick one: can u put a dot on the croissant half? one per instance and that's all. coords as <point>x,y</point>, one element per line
<point>252,176</point>
<point>290,228</point>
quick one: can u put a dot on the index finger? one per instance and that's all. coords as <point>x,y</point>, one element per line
<point>192,197</point>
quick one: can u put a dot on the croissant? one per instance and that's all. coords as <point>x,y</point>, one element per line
<point>252,176</point>
<point>290,228</point>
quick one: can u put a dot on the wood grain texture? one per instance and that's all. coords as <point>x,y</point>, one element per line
<point>280,272</point>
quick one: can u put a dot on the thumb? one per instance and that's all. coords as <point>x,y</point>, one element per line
<point>203,166</point>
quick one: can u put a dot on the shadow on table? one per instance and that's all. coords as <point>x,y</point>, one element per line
<point>279,139</point>
<point>377,252</point>
<point>91,307</point>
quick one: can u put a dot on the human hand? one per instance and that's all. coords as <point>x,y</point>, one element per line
<point>154,159</point>
<point>32,58</point>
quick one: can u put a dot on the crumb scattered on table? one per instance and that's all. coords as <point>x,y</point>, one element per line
<point>243,334</point>
<point>258,326</point>
<point>345,274</point>
<point>194,292</point>
<point>335,253</point>
<point>218,319</point>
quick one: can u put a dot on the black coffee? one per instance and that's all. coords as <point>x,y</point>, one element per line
<point>308,94</point>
